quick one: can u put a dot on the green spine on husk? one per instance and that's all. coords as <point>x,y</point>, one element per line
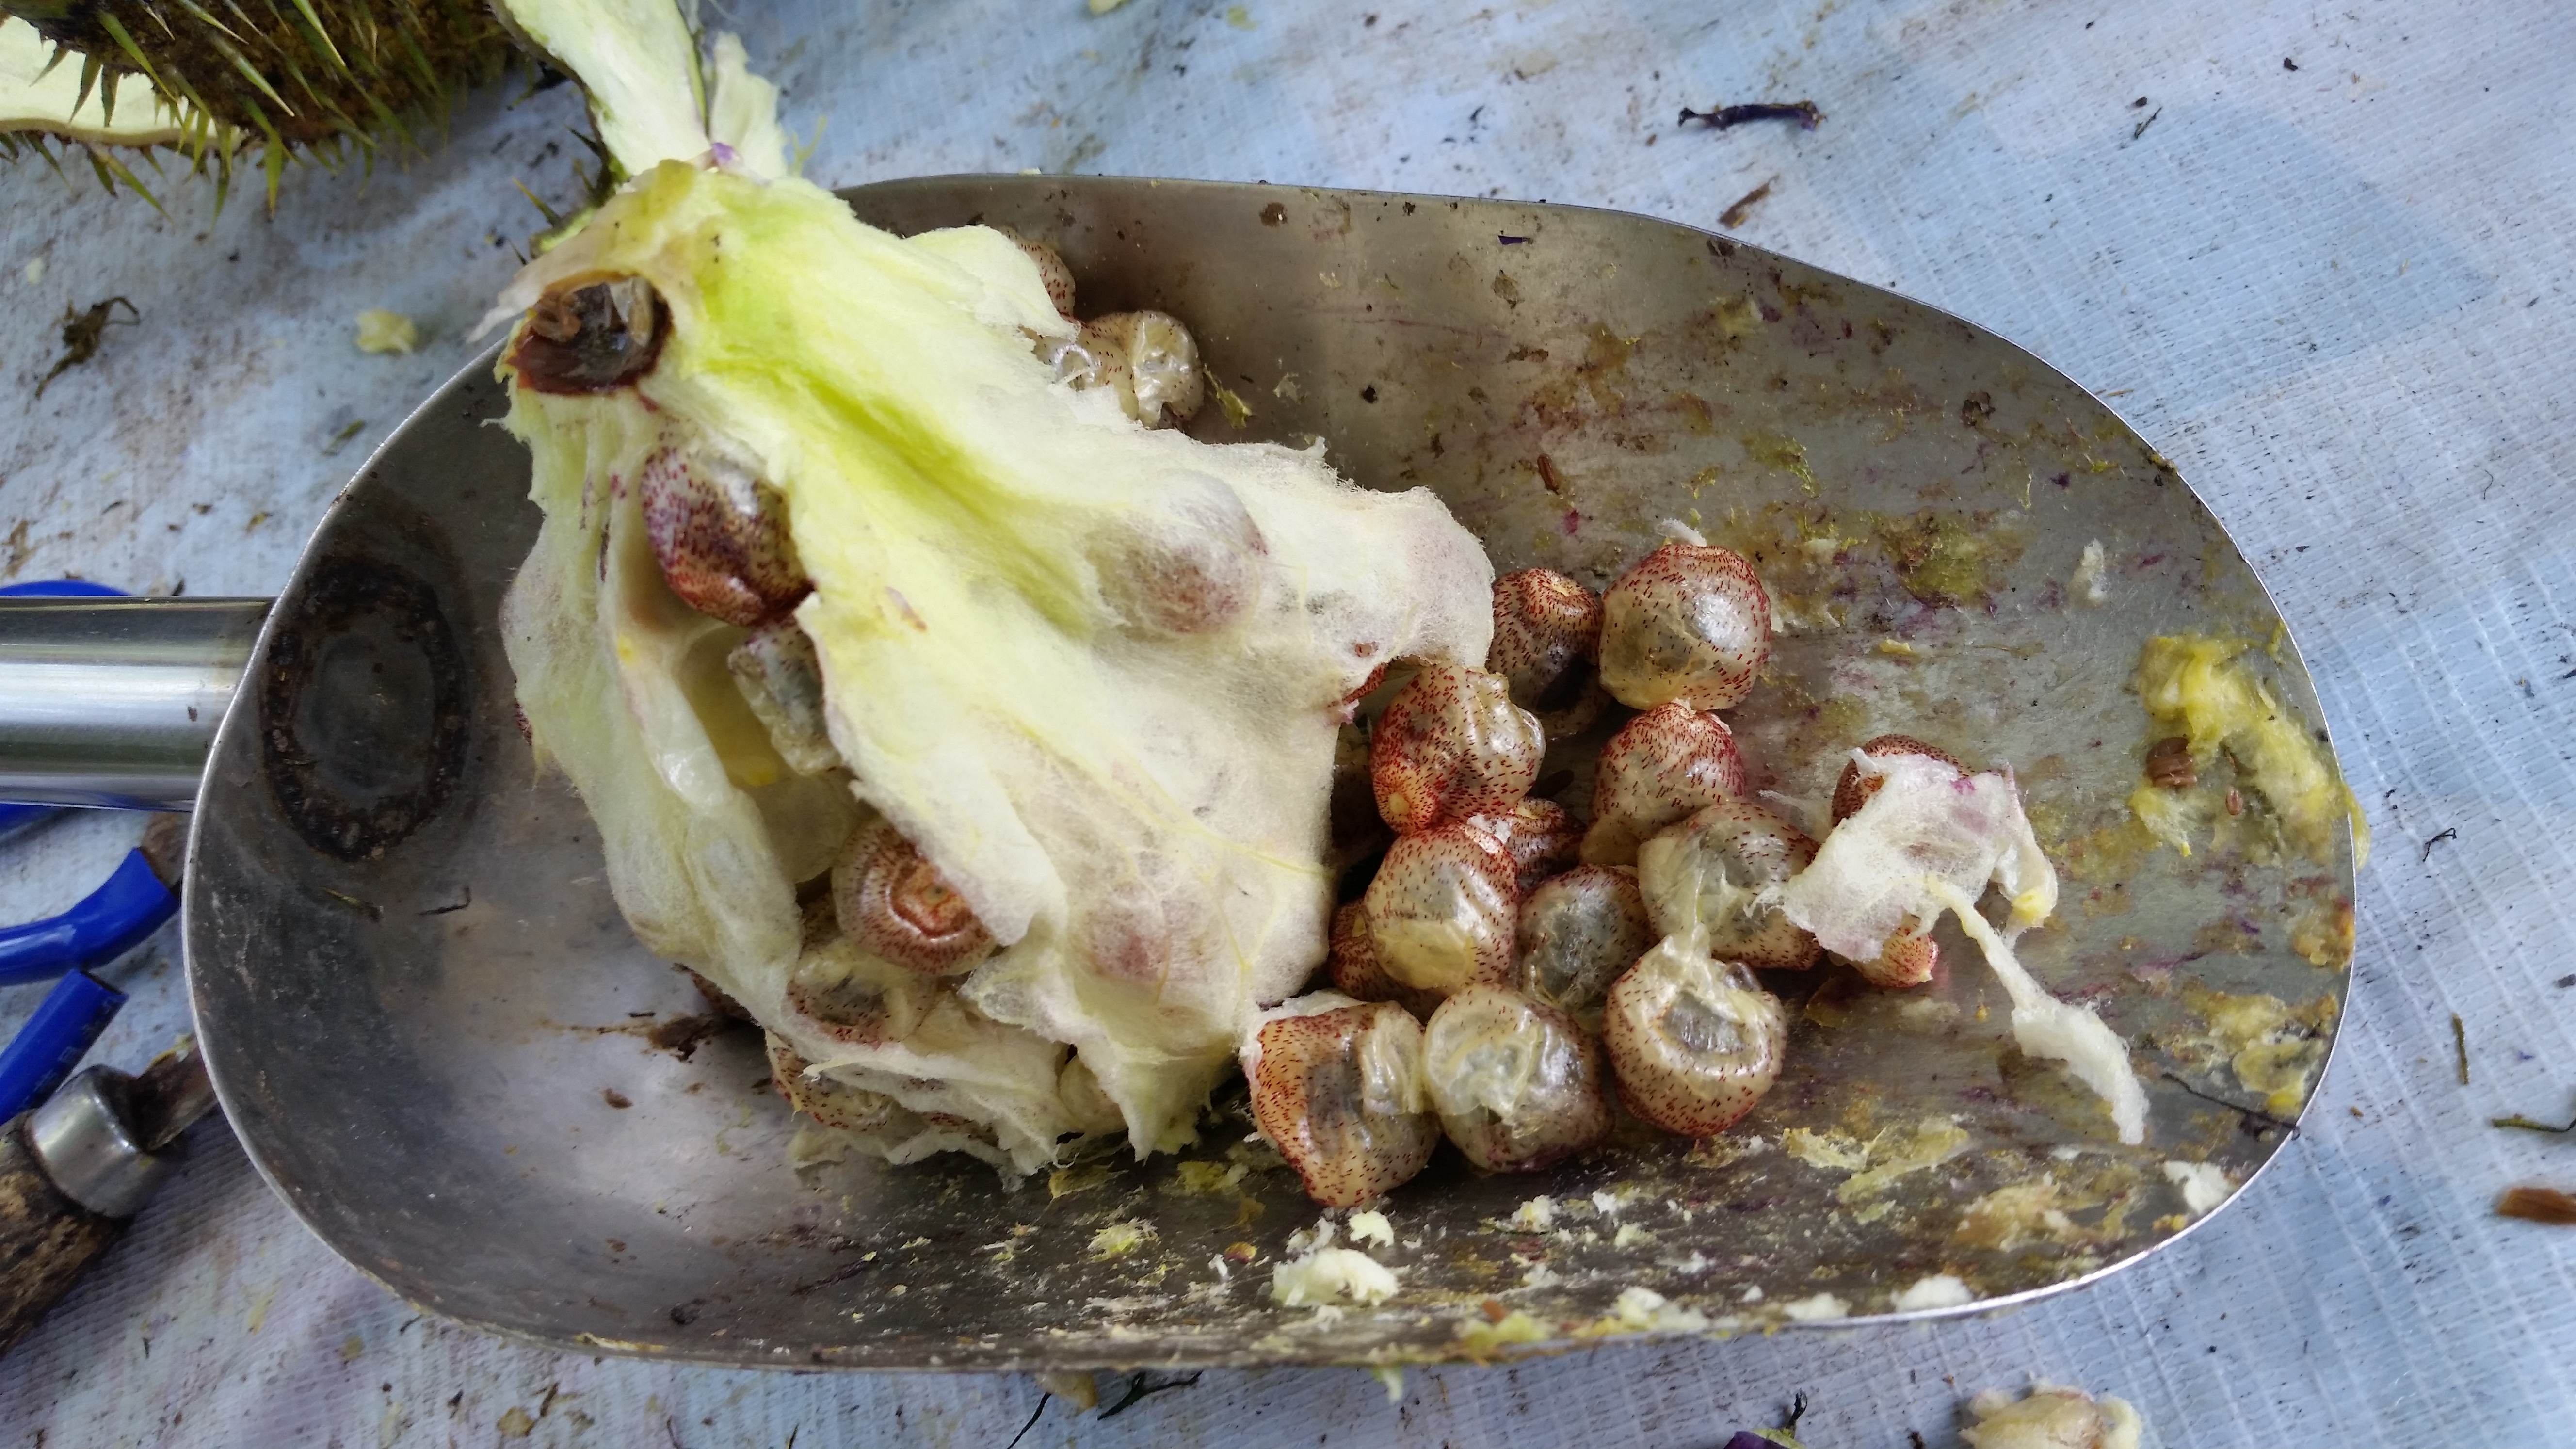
<point>280,75</point>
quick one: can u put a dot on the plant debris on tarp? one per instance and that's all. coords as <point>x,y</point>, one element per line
<point>1722,117</point>
<point>82,333</point>
<point>2538,1205</point>
<point>1734,215</point>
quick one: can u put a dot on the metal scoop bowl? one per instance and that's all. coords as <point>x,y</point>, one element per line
<point>433,1032</point>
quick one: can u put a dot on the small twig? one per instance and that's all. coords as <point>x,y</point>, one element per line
<point>2258,1115</point>
<point>2460,1044</point>
<point>1138,1389</point>
<point>2451,834</point>
<point>2140,133</point>
<point>1802,112</point>
<point>1031,1424</point>
<point>1734,216</point>
<point>847,1270</point>
<point>2526,1124</point>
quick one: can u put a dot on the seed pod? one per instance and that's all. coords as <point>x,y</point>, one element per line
<point>1539,836</point>
<point>721,537</point>
<point>1853,789</point>
<point>1053,274</point>
<point>1694,1042</point>
<point>1351,961</point>
<point>782,680</point>
<point>1910,955</point>
<point>1148,358</point>
<point>1547,637</point>
<point>591,334</point>
<point>1443,908</point>
<point>1662,767</point>
<point>1339,1092</point>
<point>1707,874</point>
<point>829,1102</point>
<point>1578,932</point>
<point>1451,744</point>
<point>1690,623</point>
<point>1517,1083</point>
<point>898,906</point>
<point>1193,567</point>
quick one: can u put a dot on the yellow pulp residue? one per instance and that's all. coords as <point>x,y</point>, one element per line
<point>2275,1051</point>
<point>2192,686</point>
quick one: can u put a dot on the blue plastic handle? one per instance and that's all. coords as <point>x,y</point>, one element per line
<point>59,589</point>
<point>54,1040</point>
<point>16,818</point>
<point>108,922</point>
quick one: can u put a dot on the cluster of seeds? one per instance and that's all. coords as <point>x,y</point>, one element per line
<point>1552,961</point>
<point>886,945</point>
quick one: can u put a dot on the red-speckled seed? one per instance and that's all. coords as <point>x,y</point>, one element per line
<point>1853,789</point>
<point>1443,908</point>
<point>831,1103</point>
<point>1517,1083</point>
<point>1578,932</point>
<point>1053,274</point>
<point>720,535</point>
<point>1910,956</point>
<point>1694,1042</point>
<point>1191,566</point>
<point>1340,1094</point>
<point>1451,744</point>
<point>1662,767</point>
<point>1690,623</point>
<point>898,906</point>
<point>1547,636</point>
<point>1709,871</point>
<point>1351,962</point>
<point>1539,836</point>
<point>1908,959</point>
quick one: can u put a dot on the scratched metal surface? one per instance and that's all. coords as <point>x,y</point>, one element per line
<point>2325,293</point>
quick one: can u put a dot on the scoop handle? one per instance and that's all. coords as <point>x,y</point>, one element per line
<point>113,703</point>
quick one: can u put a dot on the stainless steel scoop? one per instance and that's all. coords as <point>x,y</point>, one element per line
<point>434,1034</point>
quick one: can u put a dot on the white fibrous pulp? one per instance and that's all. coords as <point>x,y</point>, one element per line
<point>1090,671</point>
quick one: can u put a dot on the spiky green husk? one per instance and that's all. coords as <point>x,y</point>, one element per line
<point>292,77</point>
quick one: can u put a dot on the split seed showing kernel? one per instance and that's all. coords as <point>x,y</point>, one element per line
<point>1147,358</point>
<point>1451,744</point>
<point>1339,1093</point>
<point>782,680</point>
<point>1694,1041</point>
<point>1443,909</point>
<point>1547,637</point>
<point>1708,874</point>
<point>1578,932</point>
<point>1517,1083</point>
<point>1661,768</point>
<point>898,906</point>
<point>1539,836</point>
<point>1910,955</point>
<point>1053,274</point>
<point>1351,961</point>
<point>720,535</point>
<point>590,335</point>
<point>1690,623</point>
